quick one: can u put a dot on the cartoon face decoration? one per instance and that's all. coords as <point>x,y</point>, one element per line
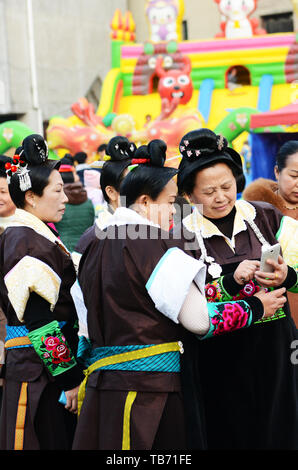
<point>162,16</point>
<point>174,83</point>
<point>236,9</point>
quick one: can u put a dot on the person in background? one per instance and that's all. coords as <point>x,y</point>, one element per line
<point>282,194</point>
<point>101,151</point>
<point>92,186</point>
<point>7,207</point>
<point>80,160</point>
<point>79,212</point>
<point>121,153</point>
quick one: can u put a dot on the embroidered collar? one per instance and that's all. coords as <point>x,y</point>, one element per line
<point>244,211</point>
<point>124,216</point>
<point>22,218</point>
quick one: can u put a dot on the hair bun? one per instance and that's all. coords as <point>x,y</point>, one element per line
<point>158,152</point>
<point>34,150</point>
<point>202,142</point>
<point>120,148</point>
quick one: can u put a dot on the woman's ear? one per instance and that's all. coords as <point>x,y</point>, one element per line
<point>276,172</point>
<point>112,193</point>
<point>30,199</point>
<point>141,205</point>
<point>143,200</point>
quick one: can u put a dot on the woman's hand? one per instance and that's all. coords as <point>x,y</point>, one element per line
<point>72,400</point>
<point>271,301</point>
<point>246,271</point>
<point>275,279</point>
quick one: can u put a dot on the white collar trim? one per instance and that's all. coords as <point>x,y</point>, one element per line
<point>22,218</point>
<point>124,216</point>
<point>244,211</point>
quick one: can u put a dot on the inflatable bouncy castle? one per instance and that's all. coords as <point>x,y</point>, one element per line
<point>241,83</point>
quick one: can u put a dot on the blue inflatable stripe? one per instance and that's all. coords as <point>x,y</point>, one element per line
<point>205,97</point>
<point>265,90</point>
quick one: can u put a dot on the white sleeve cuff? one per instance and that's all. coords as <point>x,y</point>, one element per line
<point>78,300</point>
<point>170,281</point>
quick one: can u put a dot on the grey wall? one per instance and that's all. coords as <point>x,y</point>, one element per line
<point>72,48</point>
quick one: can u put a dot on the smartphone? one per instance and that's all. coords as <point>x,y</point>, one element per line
<point>269,252</point>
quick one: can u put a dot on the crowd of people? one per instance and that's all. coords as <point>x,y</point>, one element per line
<point>134,310</point>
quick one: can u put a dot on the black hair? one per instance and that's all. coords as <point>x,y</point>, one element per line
<point>148,178</point>
<point>3,160</point>
<point>67,177</point>
<point>80,157</point>
<point>285,151</point>
<point>203,149</point>
<point>67,160</point>
<point>102,148</point>
<point>121,152</point>
<point>34,153</point>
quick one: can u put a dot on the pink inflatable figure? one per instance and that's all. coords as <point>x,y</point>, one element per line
<point>238,24</point>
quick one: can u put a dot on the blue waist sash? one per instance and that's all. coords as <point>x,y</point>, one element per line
<point>164,362</point>
<point>20,331</point>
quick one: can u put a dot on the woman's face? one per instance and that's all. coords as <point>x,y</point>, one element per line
<point>7,207</point>
<point>162,210</point>
<point>288,180</point>
<point>49,207</point>
<point>215,191</point>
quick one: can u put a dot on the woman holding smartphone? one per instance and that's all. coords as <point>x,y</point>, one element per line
<point>249,383</point>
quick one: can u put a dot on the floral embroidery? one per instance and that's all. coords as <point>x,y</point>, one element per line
<point>215,292</point>
<point>51,343</point>
<point>232,317</point>
<point>51,346</point>
<point>251,288</point>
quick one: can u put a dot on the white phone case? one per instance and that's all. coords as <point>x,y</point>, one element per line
<point>269,252</point>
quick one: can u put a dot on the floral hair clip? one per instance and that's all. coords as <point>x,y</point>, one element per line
<point>221,142</point>
<point>19,167</point>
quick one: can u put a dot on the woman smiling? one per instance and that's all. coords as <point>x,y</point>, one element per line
<point>246,374</point>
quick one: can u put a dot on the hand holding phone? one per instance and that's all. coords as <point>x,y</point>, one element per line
<point>269,252</point>
<point>273,270</point>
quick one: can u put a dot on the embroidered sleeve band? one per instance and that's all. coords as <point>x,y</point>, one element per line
<point>31,275</point>
<point>228,317</point>
<point>170,281</point>
<point>52,348</point>
<point>218,290</point>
